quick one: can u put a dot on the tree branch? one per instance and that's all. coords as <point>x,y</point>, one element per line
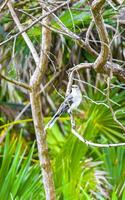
<point>34,22</point>
<point>96,9</point>
<point>36,107</point>
<point>92,144</point>
<point>118,2</point>
<point>23,85</point>
<point>3,5</point>
<point>101,65</point>
<point>82,139</point>
<point>25,36</point>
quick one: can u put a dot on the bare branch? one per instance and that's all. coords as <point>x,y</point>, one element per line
<point>81,66</point>
<point>69,83</point>
<point>3,5</point>
<point>49,82</point>
<point>20,84</point>
<point>87,37</point>
<point>73,35</point>
<point>118,2</point>
<point>25,36</point>
<point>101,60</point>
<point>92,144</point>
<point>49,27</point>
<point>33,23</point>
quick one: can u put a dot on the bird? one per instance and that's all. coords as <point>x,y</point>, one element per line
<point>71,102</point>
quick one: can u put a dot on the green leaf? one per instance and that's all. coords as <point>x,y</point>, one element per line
<point>19,178</point>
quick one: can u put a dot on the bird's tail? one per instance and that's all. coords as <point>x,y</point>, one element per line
<point>52,121</point>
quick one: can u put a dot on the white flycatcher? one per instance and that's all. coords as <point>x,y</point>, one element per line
<point>70,103</point>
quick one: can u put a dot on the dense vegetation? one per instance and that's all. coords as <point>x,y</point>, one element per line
<point>80,171</point>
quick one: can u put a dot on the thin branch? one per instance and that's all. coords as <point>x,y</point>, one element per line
<point>73,35</point>
<point>34,22</point>
<point>49,82</point>
<point>3,5</point>
<point>25,36</point>
<point>118,2</point>
<point>96,102</point>
<point>69,83</point>
<point>88,35</point>
<point>23,85</point>
<point>92,144</point>
<point>89,30</point>
<point>49,27</point>
<point>81,66</point>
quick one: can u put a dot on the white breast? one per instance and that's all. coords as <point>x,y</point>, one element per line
<point>77,99</point>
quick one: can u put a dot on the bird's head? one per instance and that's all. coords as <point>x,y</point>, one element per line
<point>75,87</point>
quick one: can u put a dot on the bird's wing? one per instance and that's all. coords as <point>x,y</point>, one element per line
<point>66,104</point>
<point>62,109</point>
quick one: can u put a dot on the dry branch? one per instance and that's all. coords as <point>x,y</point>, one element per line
<point>25,36</point>
<point>92,144</point>
<point>17,83</point>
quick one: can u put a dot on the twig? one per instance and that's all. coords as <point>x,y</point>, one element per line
<point>24,85</point>
<point>49,82</point>
<point>89,31</point>
<point>49,27</point>
<point>25,36</point>
<point>81,66</point>
<point>116,33</point>
<point>33,23</point>
<point>82,139</point>
<point>3,5</point>
<point>69,83</point>
<point>87,37</point>
<point>95,102</point>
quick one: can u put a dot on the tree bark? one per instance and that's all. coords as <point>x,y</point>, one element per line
<point>36,106</point>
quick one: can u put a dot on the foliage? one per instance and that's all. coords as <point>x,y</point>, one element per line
<point>19,178</point>
<point>80,172</point>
